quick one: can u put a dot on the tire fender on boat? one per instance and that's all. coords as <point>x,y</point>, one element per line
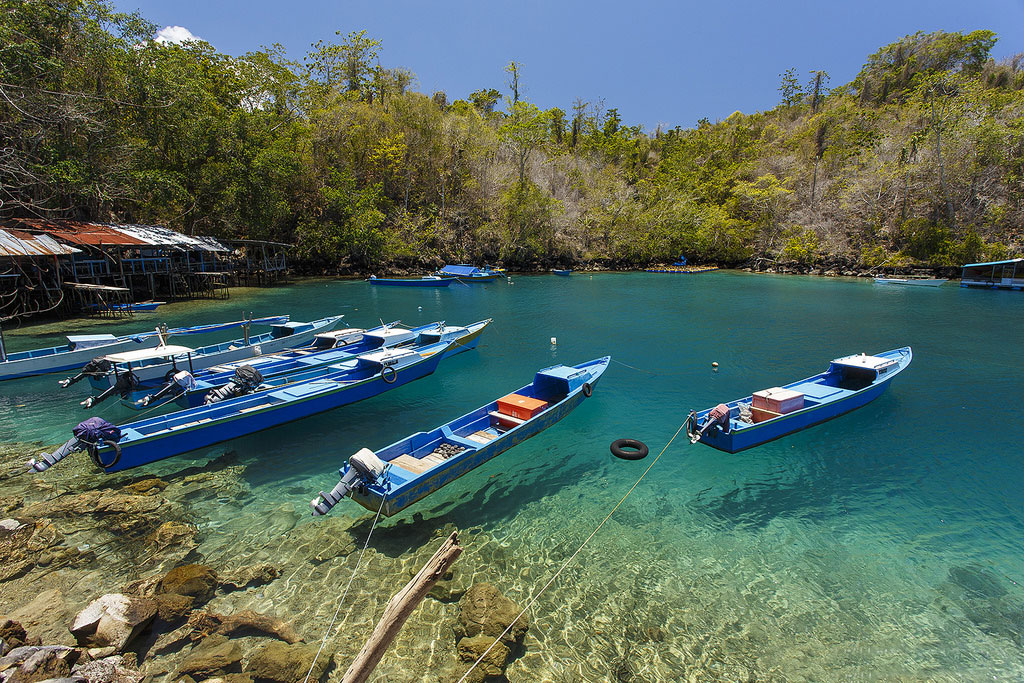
<point>629,449</point>
<point>587,389</point>
<point>389,377</point>
<point>94,452</point>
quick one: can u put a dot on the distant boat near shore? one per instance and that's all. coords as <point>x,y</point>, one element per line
<point>425,281</point>
<point>915,282</point>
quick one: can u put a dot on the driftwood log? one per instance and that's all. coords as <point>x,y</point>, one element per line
<point>400,607</point>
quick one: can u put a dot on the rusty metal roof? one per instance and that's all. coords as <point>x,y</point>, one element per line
<point>18,243</point>
<point>132,235</point>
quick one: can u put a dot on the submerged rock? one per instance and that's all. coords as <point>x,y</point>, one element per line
<point>107,670</point>
<point>196,580</point>
<point>177,534</point>
<point>244,623</point>
<point>214,656</point>
<point>493,663</point>
<point>485,610</point>
<point>45,618</point>
<point>112,620</point>
<point>172,608</point>
<point>252,575</point>
<point>277,662</point>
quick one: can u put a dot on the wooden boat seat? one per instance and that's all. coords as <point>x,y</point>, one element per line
<point>414,465</point>
<point>482,437</point>
<point>507,418</point>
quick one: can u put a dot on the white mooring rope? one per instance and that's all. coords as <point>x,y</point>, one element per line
<point>573,556</point>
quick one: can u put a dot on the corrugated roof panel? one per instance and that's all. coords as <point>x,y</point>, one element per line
<point>993,263</point>
<point>18,243</point>
<point>156,234</point>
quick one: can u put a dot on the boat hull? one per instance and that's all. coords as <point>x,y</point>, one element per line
<point>397,282</point>
<point>144,450</point>
<point>910,282</point>
<point>400,497</point>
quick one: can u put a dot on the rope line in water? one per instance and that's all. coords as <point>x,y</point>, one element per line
<point>341,602</point>
<point>650,372</point>
<point>573,556</point>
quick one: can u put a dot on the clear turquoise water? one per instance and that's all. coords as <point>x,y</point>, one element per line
<point>884,544</point>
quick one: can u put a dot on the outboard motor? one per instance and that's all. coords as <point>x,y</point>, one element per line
<point>88,435</point>
<point>717,416</point>
<point>363,468</point>
<point>246,380</point>
<point>97,367</point>
<point>180,383</point>
<point>125,384</point>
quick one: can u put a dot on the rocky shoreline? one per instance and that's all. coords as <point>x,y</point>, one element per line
<point>122,578</point>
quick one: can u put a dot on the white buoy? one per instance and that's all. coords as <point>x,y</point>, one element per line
<point>419,308</point>
<point>554,341</point>
<point>714,363</point>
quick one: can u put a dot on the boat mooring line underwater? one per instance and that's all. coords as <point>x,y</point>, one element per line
<point>573,556</point>
<point>359,561</point>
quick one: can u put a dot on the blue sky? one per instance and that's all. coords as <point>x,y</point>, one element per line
<point>667,63</point>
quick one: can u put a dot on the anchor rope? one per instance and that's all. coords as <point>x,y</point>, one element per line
<point>573,556</point>
<point>650,372</point>
<point>341,602</point>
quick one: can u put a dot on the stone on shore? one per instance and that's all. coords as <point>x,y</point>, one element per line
<point>37,663</point>
<point>277,662</point>
<point>107,670</point>
<point>213,656</point>
<point>112,620</point>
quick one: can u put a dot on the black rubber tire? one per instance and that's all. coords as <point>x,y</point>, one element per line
<point>169,375</point>
<point>629,449</point>
<point>588,390</point>
<point>385,376</point>
<point>95,453</point>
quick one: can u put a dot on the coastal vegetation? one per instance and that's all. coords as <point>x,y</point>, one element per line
<point>918,160</point>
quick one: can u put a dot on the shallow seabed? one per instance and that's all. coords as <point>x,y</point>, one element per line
<point>886,544</point>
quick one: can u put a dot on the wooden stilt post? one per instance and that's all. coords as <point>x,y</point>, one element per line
<point>399,608</point>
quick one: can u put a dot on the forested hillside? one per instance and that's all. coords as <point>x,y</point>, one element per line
<point>918,160</point>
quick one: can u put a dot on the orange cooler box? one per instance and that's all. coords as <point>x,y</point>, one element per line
<point>778,400</point>
<point>522,407</point>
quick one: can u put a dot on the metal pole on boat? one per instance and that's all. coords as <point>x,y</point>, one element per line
<point>3,347</point>
<point>245,327</point>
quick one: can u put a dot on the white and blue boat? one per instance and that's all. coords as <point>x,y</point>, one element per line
<point>464,272</point>
<point>285,399</point>
<point>425,281</point>
<point>398,475</point>
<point>849,383</point>
<point>162,361</point>
<point>229,380</point>
<point>81,348</point>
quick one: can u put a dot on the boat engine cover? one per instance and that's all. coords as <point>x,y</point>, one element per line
<point>367,464</point>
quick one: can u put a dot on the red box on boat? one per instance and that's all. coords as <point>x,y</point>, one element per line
<point>778,400</point>
<point>521,407</point>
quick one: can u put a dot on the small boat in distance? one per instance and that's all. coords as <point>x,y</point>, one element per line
<point>425,281</point>
<point>408,470</point>
<point>912,281</point>
<point>139,307</point>
<point>563,272</point>
<point>850,382</point>
<point>467,273</point>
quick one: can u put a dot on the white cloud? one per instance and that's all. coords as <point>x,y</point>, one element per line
<point>175,34</point>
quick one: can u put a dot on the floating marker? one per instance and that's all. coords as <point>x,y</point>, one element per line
<point>714,363</point>
<point>419,308</point>
<point>554,340</point>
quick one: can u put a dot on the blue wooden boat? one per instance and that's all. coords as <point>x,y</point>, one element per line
<point>285,400</point>
<point>467,273</point>
<point>229,380</point>
<point>406,471</point>
<point>81,348</point>
<point>849,383</point>
<point>139,307</point>
<point>563,272</point>
<point>162,361</point>
<point>425,281</point>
